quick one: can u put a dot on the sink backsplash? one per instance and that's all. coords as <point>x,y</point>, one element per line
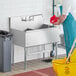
<point>22,23</point>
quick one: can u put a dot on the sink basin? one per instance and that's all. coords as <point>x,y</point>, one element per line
<point>43,26</point>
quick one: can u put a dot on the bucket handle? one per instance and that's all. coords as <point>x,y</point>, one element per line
<point>71,50</point>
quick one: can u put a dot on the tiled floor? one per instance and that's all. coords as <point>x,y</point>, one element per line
<point>31,65</point>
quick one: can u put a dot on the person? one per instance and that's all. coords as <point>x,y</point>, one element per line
<point>68,19</point>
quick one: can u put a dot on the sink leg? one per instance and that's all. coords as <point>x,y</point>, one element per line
<point>25,61</point>
<point>44,53</point>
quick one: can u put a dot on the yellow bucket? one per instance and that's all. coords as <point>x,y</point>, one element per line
<point>63,69</point>
<point>66,69</point>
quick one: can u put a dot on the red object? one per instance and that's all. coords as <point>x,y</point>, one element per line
<point>53,19</point>
<point>41,72</point>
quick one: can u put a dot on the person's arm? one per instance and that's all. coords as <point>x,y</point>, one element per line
<point>60,20</point>
<point>66,9</point>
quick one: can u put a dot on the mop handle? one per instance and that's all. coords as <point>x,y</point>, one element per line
<point>71,50</point>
